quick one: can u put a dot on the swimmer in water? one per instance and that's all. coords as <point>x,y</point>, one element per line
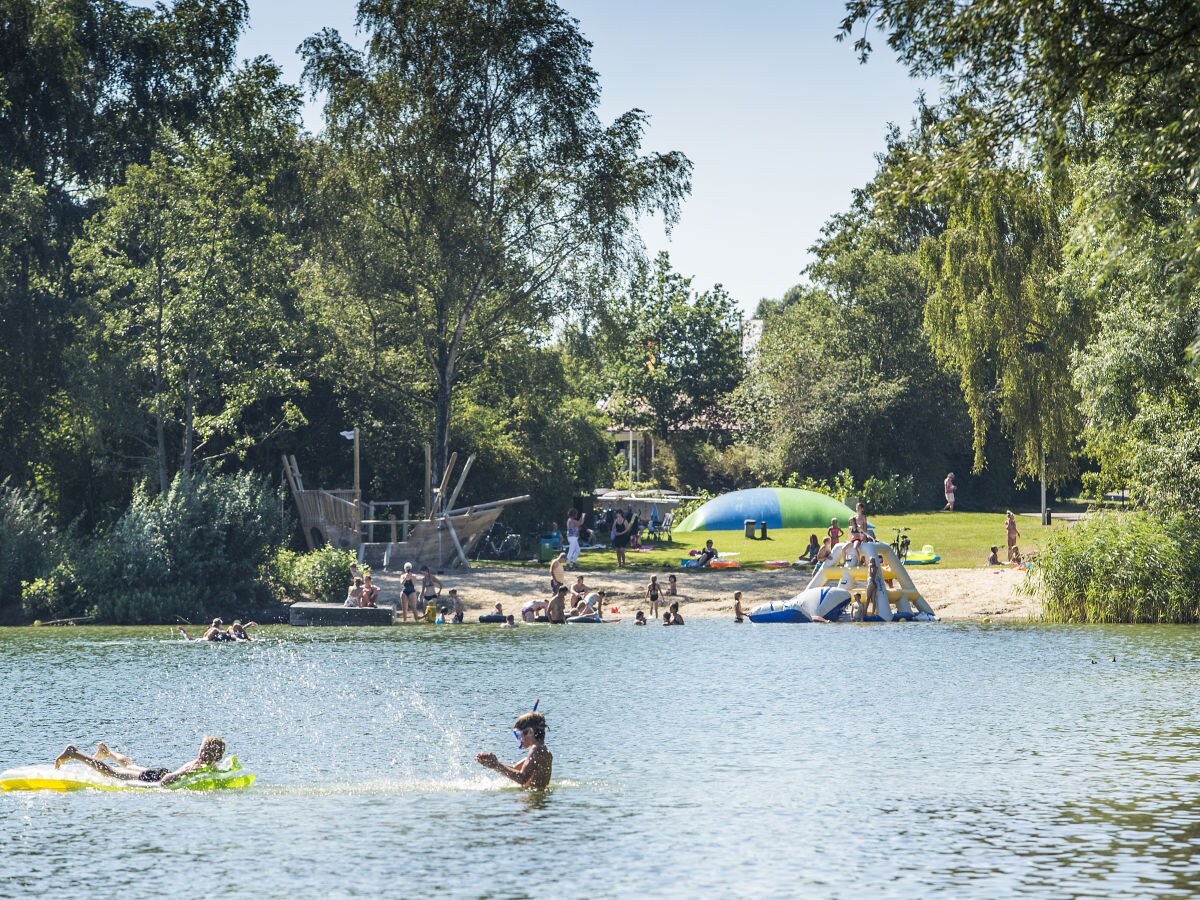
<point>533,772</point>
<point>214,634</point>
<point>211,751</point>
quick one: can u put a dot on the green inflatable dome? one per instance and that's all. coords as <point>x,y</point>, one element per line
<point>778,507</point>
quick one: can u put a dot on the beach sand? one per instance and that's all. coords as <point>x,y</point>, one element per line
<point>954,594</point>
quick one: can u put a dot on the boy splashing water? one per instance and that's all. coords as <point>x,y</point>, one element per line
<point>533,772</point>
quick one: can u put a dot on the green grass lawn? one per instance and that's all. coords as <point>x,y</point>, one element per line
<point>961,538</point>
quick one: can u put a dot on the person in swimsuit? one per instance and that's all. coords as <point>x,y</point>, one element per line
<point>652,594</point>
<point>370,593</point>
<point>556,611</point>
<point>534,608</point>
<point>1010,527</point>
<point>354,596</point>
<point>213,634</point>
<point>639,618</point>
<point>579,589</point>
<point>859,519</point>
<point>431,587</point>
<point>558,572</point>
<point>676,618</point>
<point>810,552</point>
<point>238,630</point>
<point>708,554</point>
<point>874,586</point>
<point>408,594</point>
<point>825,552</point>
<point>672,585</point>
<point>454,607</point>
<point>834,532</point>
<point>533,772</point>
<point>739,614</point>
<point>574,527</point>
<point>211,751</point>
<point>620,537</point>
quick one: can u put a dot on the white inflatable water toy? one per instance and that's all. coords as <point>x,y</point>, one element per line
<point>835,582</point>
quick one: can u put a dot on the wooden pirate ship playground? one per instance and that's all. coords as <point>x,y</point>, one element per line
<point>443,539</point>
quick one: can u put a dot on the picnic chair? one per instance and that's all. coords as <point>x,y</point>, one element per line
<point>658,530</point>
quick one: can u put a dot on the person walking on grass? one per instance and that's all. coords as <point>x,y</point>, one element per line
<point>950,490</point>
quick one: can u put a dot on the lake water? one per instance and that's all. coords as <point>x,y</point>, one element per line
<point>709,760</point>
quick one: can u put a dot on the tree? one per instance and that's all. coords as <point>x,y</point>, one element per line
<point>667,356</point>
<point>998,319</point>
<point>470,187</point>
<point>1052,81</point>
<point>187,326</point>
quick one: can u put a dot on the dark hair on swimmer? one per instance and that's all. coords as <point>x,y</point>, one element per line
<point>534,720</point>
<point>212,749</point>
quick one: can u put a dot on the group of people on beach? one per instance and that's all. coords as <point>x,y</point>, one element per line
<point>1014,557</point>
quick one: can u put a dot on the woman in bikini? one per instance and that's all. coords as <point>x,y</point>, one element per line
<point>431,587</point>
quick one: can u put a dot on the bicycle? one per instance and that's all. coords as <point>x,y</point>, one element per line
<point>498,543</point>
<point>901,543</point>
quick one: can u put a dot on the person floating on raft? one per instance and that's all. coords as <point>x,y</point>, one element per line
<point>125,769</point>
<point>533,772</point>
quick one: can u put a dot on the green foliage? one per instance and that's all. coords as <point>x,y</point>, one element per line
<point>1117,567</point>
<point>999,321</point>
<point>665,356</point>
<point>1053,81</point>
<point>28,541</point>
<point>188,328</point>
<point>464,157</point>
<point>59,595</point>
<point>189,553</point>
<point>891,494</point>
<point>323,574</point>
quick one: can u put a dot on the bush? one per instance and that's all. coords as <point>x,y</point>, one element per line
<point>28,541</point>
<point>324,574</point>
<point>57,596</point>
<point>880,496</point>
<point>1120,568</point>
<point>188,554</point>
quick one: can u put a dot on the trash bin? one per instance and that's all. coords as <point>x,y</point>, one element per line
<point>749,524</point>
<point>546,550</point>
<point>1048,516</point>
<point>763,527</point>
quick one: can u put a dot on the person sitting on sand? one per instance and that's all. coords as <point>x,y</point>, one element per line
<point>211,751</point>
<point>672,585</point>
<point>639,618</point>
<point>994,557</point>
<point>739,614</point>
<point>652,594</point>
<point>707,555</point>
<point>556,612</point>
<point>354,596</point>
<point>579,589</point>
<point>370,593</point>
<point>676,618</point>
<point>1014,556</point>
<point>533,772</point>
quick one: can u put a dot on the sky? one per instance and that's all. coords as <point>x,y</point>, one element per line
<point>780,120</point>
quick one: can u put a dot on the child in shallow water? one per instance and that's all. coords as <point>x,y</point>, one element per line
<point>533,772</point>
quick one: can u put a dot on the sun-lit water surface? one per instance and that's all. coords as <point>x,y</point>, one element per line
<point>713,759</point>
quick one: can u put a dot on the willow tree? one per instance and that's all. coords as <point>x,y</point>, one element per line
<point>1000,320</point>
<point>468,185</point>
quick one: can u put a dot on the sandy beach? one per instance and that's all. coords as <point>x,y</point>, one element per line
<point>955,594</point>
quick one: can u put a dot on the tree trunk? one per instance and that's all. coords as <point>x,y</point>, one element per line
<point>189,426</point>
<point>441,428</point>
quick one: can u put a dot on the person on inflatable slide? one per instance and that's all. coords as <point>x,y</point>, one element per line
<point>211,751</point>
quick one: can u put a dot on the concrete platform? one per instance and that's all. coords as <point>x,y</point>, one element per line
<point>323,614</point>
